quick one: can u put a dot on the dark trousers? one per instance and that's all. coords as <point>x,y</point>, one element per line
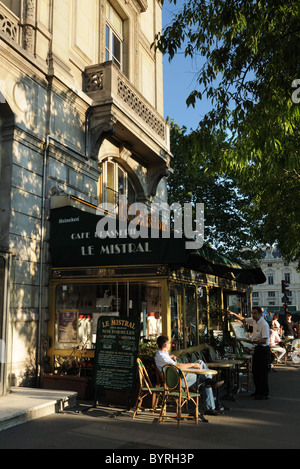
<point>260,370</point>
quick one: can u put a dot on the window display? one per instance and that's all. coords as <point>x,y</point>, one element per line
<point>79,306</point>
<point>67,326</point>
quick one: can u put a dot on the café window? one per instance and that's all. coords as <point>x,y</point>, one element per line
<point>113,182</point>
<point>2,276</point>
<point>177,323</point>
<point>13,5</point>
<point>202,309</point>
<point>78,307</point>
<point>113,36</point>
<point>191,316</point>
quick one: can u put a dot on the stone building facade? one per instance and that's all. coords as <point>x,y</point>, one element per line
<point>269,294</point>
<point>81,116</point>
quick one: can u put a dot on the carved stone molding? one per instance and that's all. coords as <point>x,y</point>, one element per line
<point>29,25</point>
<point>94,81</point>
<point>97,136</point>
<point>29,9</point>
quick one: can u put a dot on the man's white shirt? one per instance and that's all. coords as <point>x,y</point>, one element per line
<point>162,359</point>
<point>261,330</point>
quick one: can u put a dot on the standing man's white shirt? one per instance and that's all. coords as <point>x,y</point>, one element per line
<point>261,330</point>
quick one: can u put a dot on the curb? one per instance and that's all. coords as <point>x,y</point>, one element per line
<point>23,405</point>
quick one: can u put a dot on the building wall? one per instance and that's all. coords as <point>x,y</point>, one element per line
<point>45,142</point>
<point>276,269</point>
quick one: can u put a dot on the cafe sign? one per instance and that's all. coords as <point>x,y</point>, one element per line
<point>116,354</point>
<point>75,242</point>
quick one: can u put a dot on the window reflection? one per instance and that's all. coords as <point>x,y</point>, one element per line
<point>177,328</point>
<point>191,316</point>
<point>114,181</point>
<point>114,36</point>
<point>2,271</point>
<point>202,308</point>
<point>13,5</point>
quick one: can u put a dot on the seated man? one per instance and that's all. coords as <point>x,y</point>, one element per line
<point>274,345</point>
<point>162,358</point>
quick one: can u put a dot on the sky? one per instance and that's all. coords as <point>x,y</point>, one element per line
<point>179,81</point>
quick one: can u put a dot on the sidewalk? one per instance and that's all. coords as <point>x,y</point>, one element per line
<point>271,424</point>
<point>25,404</point>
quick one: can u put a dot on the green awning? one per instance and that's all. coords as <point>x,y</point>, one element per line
<point>207,254</point>
<point>212,262</point>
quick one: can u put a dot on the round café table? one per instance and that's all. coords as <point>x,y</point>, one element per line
<point>227,367</point>
<point>237,363</point>
<point>197,371</point>
<point>247,359</point>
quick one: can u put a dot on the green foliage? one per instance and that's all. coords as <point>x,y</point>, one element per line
<point>251,51</point>
<point>228,226</point>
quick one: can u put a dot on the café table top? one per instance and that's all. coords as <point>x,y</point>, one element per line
<point>241,357</point>
<point>232,361</point>
<point>220,365</point>
<point>200,372</point>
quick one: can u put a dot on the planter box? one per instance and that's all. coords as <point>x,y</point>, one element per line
<point>121,398</point>
<point>78,384</point>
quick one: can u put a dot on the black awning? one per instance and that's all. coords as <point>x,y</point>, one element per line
<point>213,262</point>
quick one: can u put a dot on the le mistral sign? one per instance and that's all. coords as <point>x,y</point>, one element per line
<point>75,242</point>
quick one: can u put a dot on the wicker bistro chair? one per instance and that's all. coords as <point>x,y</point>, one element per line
<point>177,394</point>
<point>195,356</point>
<point>186,358</point>
<point>147,389</point>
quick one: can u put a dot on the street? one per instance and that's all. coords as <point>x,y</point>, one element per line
<point>249,424</point>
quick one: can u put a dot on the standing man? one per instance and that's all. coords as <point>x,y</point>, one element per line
<point>289,327</point>
<point>261,340</point>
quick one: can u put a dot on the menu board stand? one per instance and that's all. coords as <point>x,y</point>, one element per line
<point>117,346</point>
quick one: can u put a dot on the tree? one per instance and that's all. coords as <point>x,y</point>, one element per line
<point>252,65</point>
<point>228,226</point>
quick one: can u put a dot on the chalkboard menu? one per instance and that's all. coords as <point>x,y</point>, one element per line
<point>116,353</point>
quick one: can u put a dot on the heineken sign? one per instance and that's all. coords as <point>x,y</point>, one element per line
<point>75,242</point>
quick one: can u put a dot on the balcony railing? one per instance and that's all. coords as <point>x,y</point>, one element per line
<point>9,24</point>
<point>105,84</point>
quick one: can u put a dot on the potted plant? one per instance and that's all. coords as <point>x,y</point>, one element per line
<point>68,373</point>
<point>146,354</point>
